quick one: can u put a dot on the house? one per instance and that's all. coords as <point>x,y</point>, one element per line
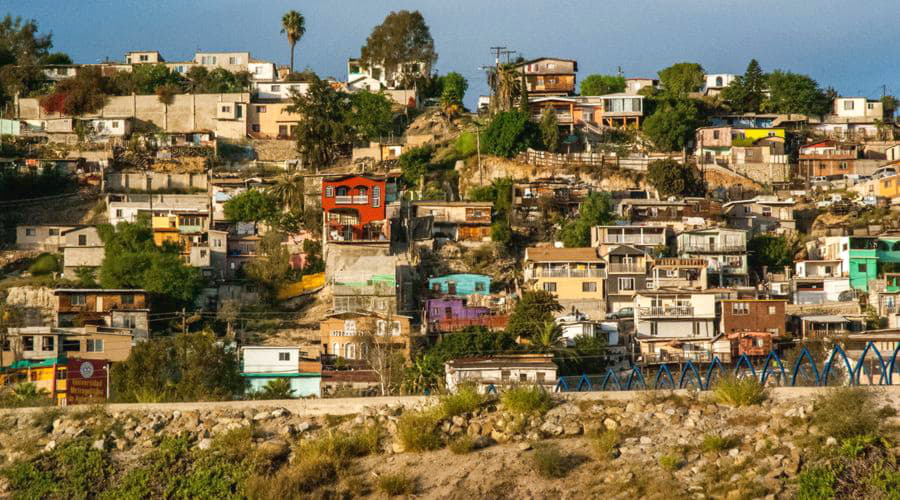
<point>462,285</point>
<point>714,84</point>
<point>501,371</point>
<point>640,236</point>
<point>373,76</point>
<point>673,272</point>
<point>467,222</point>
<point>82,248</point>
<point>272,120</point>
<point>725,250</point>
<point>548,76</point>
<point>819,269</point>
<point>577,324</point>
<point>379,151</point>
<point>143,57</point>
<point>340,333</point>
<point>821,288</point>
<point>626,268</point>
<point>753,315</point>
<point>44,237</point>
<point>869,256</point>
<point>355,208</point>
<point>128,207</point>
<point>575,276</point>
<point>103,307</point>
<point>852,117</point>
<point>621,110</point>
<point>368,283</point>
<point>820,326</point>
<point>761,215</point>
<point>557,194</point>
<point>276,90</point>
<point>450,314</point>
<point>37,343</point>
<point>825,158</point>
<point>678,325</point>
<point>679,215</point>
<point>635,85</point>
<point>261,365</point>
<point>721,144</point>
<point>751,344</point>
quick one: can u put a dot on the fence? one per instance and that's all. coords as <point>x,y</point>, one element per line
<point>689,374</point>
<point>545,159</point>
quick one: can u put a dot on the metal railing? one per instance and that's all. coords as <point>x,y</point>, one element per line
<point>715,248</point>
<point>666,311</point>
<point>569,273</point>
<point>626,268</point>
<point>647,239</point>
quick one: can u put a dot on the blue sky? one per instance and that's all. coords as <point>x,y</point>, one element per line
<point>840,44</point>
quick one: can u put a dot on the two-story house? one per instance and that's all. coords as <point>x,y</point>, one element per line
<point>548,76</point>
<point>47,343</point>
<point>82,248</point>
<point>345,334</point>
<point>640,236</point>
<point>852,117</point>
<point>457,301</point>
<point>261,365</point>
<point>125,308</point>
<point>355,208</point>
<point>761,214</point>
<point>676,325</point>
<point>827,158</point>
<point>554,194</point>
<point>753,315</point>
<point>735,144</point>
<point>673,272</point>
<point>43,237</point>
<point>466,222</point>
<point>626,268</point>
<point>367,283</point>
<point>725,250</point>
<point>687,213</point>
<point>820,281</point>
<point>575,276</point>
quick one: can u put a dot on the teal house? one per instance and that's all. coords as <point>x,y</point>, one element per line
<point>873,257</point>
<point>461,284</point>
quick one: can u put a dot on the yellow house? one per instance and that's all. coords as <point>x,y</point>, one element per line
<point>888,187</point>
<point>271,120</point>
<point>576,276</point>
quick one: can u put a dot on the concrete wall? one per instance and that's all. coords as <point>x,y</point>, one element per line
<point>137,181</point>
<point>75,257</point>
<point>47,238</point>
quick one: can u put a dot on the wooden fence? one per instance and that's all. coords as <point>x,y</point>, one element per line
<point>545,159</point>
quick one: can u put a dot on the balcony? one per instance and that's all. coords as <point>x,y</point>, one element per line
<point>714,248</point>
<point>634,239</point>
<point>351,233</point>
<point>680,357</point>
<point>454,325</point>
<point>626,268</point>
<point>568,273</point>
<point>666,312</point>
<point>351,200</point>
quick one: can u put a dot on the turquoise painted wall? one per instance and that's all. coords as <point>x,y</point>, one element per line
<point>302,386</point>
<point>466,284</point>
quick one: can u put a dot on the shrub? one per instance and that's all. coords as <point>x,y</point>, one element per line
<point>396,484</point>
<point>279,388</point>
<point>466,145</point>
<point>22,395</point>
<point>844,412</point>
<point>670,462</point>
<point>712,442</point>
<point>44,418</point>
<point>605,443</point>
<point>816,483</point>
<point>45,263</point>
<point>548,461</point>
<point>72,470</point>
<point>465,400</point>
<point>417,431</point>
<point>462,445</point>
<point>526,400</point>
<point>735,391</point>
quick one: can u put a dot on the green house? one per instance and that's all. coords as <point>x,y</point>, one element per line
<point>873,257</point>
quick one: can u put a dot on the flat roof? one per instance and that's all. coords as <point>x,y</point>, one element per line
<point>552,254</point>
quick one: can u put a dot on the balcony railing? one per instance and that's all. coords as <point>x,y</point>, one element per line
<point>351,200</point>
<point>347,232</point>
<point>715,248</point>
<point>666,311</point>
<point>634,239</point>
<point>626,268</point>
<point>569,273</point>
<point>693,356</point>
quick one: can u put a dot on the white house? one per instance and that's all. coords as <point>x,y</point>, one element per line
<point>819,268</point>
<point>263,364</point>
<point>277,91</point>
<point>500,371</point>
<point>677,325</point>
<point>716,83</point>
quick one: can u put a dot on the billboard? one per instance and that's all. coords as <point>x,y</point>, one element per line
<point>87,381</point>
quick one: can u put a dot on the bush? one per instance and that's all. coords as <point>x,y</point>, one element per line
<point>816,483</point>
<point>509,133</point>
<point>72,470</point>
<point>462,445</point>
<point>670,462</point>
<point>396,484</point>
<point>45,263</point>
<point>605,443</point>
<point>275,389</point>
<point>466,145</point>
<point>417,431</point>
<point>548,461</point>
<point>465,400</point>
<point>735,391</point>
<point>527,400</point>
<point>712,442</point>
<point>844,412</point>
<point>22,395</point>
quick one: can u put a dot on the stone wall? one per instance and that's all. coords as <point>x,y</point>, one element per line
<point>37,303</point>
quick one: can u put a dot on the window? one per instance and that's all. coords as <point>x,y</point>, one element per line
<point>696,328</point>
<point>232,60</point>
<point>870,105</point>
<point>435,287</point>
<point>654,329</point>
<point>7,345</point>
<point>53,231</point>
<point>28,343</point>
<point>128,299</point>
<point>523,377</point>
<point>115,124</point>
<point>29,231</point>
<point>226,109</point>
<point>254,127</point>
<point>541,377</point>
<point>238,111</point>
<point>376,196</point>
<point>842,165</point>
<point>260,109</point>
<point>504,375</point>
<point>71,345</point>
<point>715,134</point>
<point>626,284</point>
<point>550,287</point>
<point>479,286</point>
<point>848,105</point>
<point>179,69</point>
<point>329,191</point>
<point>282,131</point>
<point>284,356</point>
<point>82,240</point>
<point>589,286</point>
<point>862,268</point>
<point>77,299</point>
<point>144,58</point>
<point>276,88</point>
<point>718,81</point>
<point>47,343</point>
<point>767,211</point>
<point>771,310</point>
<point>740,308</point>
<point>94,345</point>
<point>118,212</point>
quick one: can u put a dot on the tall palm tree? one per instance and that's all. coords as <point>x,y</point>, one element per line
<point>288,190</point>
<point>294,26</point>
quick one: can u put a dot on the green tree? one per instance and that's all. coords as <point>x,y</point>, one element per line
<point>251,206</point>
<point>186,367</point>
<point>84,93</point>
<point>271,269</point>
<point>56,58</point>
<point>323,130</point>
<point>293,25</point>
<point>400,44</point>
<point>509,133</point>
<point>21,51</point>
<point>671,178</point>
<point>531,312</point>
<point>747,92</point>
<point>678,80</point>
<point>672,124</point>
<point>772,251</point>
<point>889,103</point>
<point>596,210</point>
<point>549,130</point>
<point>414,164</point>
<point>146,78</point>
<point>370,115</point>
<point>288,191</point>
<point>794,93</point>
<point>602,84</point>
<point>453,91</point>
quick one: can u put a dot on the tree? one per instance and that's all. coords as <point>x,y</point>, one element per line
<point>509,133</point>
<point>531,312</point>
<point>288,191</point>
<point>185,367</point>
<point>671,178</point>
<point>251,206</point>
<point>747,92</point>
<point>370,115</point>
<point>400,44</point>
<point>378,346</point>
<point>322,131</point>
<point>549,130</point>
<point>453,91</point>
<point>597,210</point>
<point>508,88</point>
<point>279,388</point>
<point>56,58</point>
<point>293,25</point>
<point>672,124</point>
<point>889,103</point>
<point>84,93</point>
<point>678,80</point>
<point>774,252</point>
<point>199,80</point>
<point>270,270</point>
<point>414,164</point>
<point>21,51</point>
<point>602,84</point>
<point>794,93</point>
<point>147,78</point>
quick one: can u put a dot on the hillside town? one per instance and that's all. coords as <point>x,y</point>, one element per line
<point>370,234</point>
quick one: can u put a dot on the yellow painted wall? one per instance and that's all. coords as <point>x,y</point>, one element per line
<point>273,116</point>
<point>571,288</point>
<point>164,222</point>
<point>888,187</point>
<point>308,283</point>
<point>759,133</point>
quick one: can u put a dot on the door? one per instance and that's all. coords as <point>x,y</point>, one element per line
<point>451,288</point>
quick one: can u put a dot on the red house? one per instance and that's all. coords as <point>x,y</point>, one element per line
<point>354,208</point>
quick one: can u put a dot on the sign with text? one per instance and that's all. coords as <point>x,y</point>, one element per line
<point>86,381</point>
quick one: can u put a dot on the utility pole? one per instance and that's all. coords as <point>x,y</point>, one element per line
<point>183,320</point>
<point>478,149</point>
<point>497,51</point>
<point>507,53</point>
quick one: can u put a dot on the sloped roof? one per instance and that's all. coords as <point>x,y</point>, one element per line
<point>551,254</point>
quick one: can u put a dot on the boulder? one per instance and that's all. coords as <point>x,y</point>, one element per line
<point>274,449</point>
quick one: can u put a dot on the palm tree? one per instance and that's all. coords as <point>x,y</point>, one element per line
<point>294,26</point>
<point>549,338</point>
<point>288,190</point>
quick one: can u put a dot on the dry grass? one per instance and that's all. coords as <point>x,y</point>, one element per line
<point>526,400</point>
<point>417,431</point>
<point>396,484</point>
<point>735,391</point>
<point>605,443</point>
<point>462,445</point>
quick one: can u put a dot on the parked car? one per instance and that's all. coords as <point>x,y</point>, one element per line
<point>623,313</point>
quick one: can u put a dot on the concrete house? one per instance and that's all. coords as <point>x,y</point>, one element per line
<point>576,276</point>
<point>852,117</point>
<point>82,247</point>
<point>673,272</point>
<point>761,215</point>
<point>103,307</point>
<point>753,315</point>
<point>640,236</point>
<point>261,365</point>
<point>626,268</point>
<point>43,237</point>
<point>467,222</point>
<point>462,284</point>
<point>674,325</point>
<point>501,371</point>
<point>37,343</point>
<point>725,250</point>
<point>340,333</point>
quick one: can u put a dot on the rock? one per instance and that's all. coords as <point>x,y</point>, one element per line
<point>473,429</point>
<point>831,441</point>
<point>262,416</point>
<point>303,427</point>
<point>524,446</point>
<point>459,421</point>
<point>572,428</point>
<point>121,444</point>
<point>99,444</point>
<point>275,449</point>
<point>551,429</point>
<point>610,424</point>
<point>498,436</point>
<point>481,442</point>
<point>280,412</point>
<point>734,452</point>
<point>50,446</point>
<point>646,440</point>
<point>397,447</point>
<point>204,444</point>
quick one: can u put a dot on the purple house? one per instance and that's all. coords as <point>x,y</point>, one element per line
<point>452,308</point>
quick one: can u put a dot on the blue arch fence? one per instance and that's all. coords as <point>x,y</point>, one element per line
<point>772,371</point>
